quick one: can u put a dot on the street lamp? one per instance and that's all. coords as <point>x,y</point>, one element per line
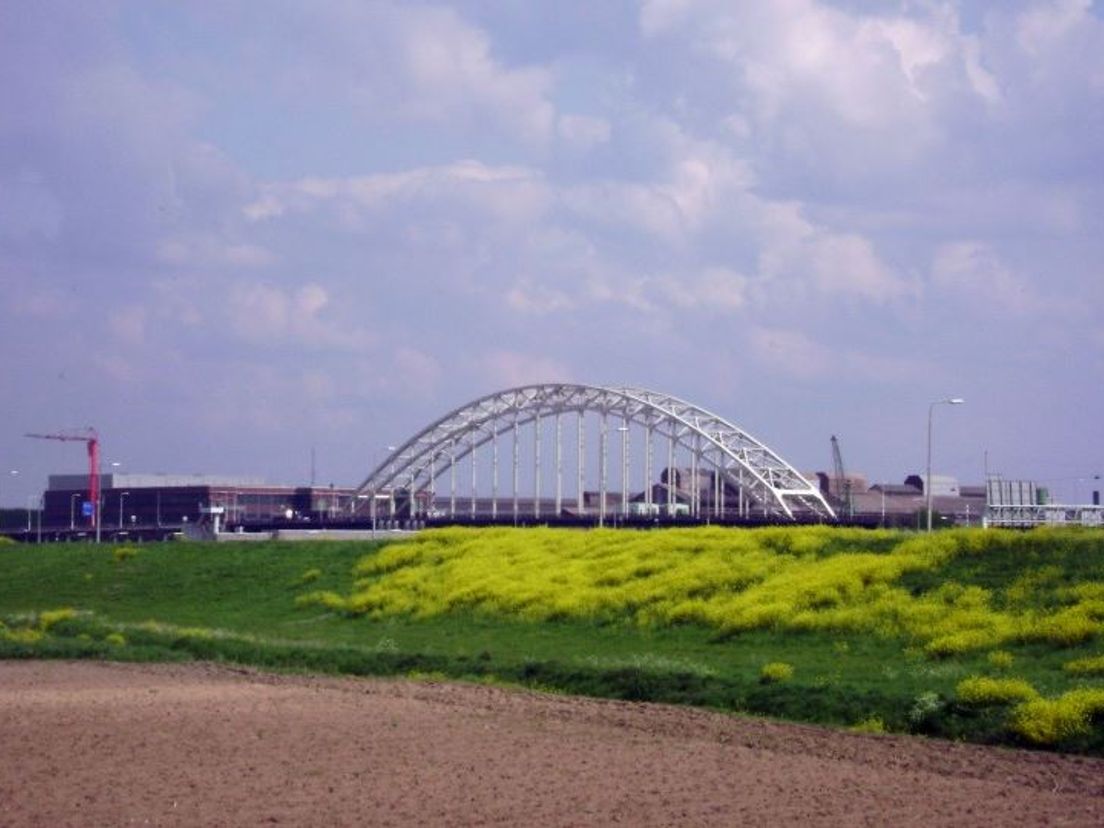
<point>122,496</point>
<point>928,479</point>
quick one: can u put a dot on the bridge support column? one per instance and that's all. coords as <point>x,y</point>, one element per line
<point>580,468</point>
<point>537,466</point>
<point>695,483</point>
<point>717,490</point>
<point>559,464</point>
<point>452,480</point>
<point>432,486</point>
<point>515,467</point>
<point>671,474</point>
<point>494,471</point>
<point>602,471</point>
<point>471,445</point>
<point>624,464</point>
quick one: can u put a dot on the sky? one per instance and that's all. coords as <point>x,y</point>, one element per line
<point>231,233</point>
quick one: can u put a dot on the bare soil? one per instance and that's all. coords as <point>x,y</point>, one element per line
<point>114,744</point>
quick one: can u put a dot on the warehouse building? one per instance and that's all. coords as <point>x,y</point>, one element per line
<point>143,502</point>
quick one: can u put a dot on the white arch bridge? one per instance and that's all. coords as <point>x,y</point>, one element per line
<point>521,455</point>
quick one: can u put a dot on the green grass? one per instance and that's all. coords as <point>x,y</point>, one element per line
<point>237,603</point>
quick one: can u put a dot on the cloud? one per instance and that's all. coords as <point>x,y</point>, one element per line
<point>118,368</point>
<point>717,289</point>
<point>800,253</point>
<point>713,290</point>
<point>204,251</point>
<point>1044,25</point>
<point>507,193</point>
<point>450,69</point>
<point>544,246</point>
<point>337,215</point>
<point>790,352</point>
<point>974,270</point>
<point>421,63</point>
<point>795,354</point>
<point>529,298</point>
<point>28,207</point>
<point>266,314</point>
<point>693,182</point>
<point>582,131</point>
<point>824,91</point>
<point>418,373</point>
<point>44,303</point>
<point>128,324</point>
<point>509,369</point>
<point>267,398</point>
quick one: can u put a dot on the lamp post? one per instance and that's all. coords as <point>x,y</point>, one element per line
<point>73,510</point>
<point>928,479</point>
<point>122,496</point>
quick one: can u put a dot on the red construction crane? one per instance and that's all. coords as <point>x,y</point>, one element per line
<point>91,439</point>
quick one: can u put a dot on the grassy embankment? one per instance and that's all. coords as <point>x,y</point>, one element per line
<point>989,636</point>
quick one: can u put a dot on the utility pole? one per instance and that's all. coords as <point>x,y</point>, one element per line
<point>928,480</point>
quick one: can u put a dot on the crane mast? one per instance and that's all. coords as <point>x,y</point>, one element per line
<point>843,483</point>
<point>91,440</point>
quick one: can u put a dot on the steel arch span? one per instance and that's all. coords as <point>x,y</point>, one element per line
<point>725,462</point>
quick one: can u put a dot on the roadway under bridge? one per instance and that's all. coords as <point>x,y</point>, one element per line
<point>566,452</point>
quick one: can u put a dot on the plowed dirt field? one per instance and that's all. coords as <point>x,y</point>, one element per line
<point>114,744</point>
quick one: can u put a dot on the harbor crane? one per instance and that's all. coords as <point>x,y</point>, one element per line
<point>91,439</point>
<point>843,482</point>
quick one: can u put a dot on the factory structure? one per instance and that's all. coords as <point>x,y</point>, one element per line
<point>164,504</point>
<point>552,453</point>
<point>158,506</point>
<point>134,502</point>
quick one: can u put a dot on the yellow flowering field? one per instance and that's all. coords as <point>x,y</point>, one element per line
<point>890,584</point>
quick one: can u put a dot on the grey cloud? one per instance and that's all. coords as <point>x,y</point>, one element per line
<point>762,207</point>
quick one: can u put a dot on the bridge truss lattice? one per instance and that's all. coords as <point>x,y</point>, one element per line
<point>722,457</point>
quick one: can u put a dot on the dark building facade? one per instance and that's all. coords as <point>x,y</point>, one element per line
<point>137,502</point>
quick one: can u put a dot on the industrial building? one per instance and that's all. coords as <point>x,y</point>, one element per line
<point>150,506</point>
<point>153,504</point>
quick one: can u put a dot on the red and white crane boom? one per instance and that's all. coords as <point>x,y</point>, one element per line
<point>91,439</point>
